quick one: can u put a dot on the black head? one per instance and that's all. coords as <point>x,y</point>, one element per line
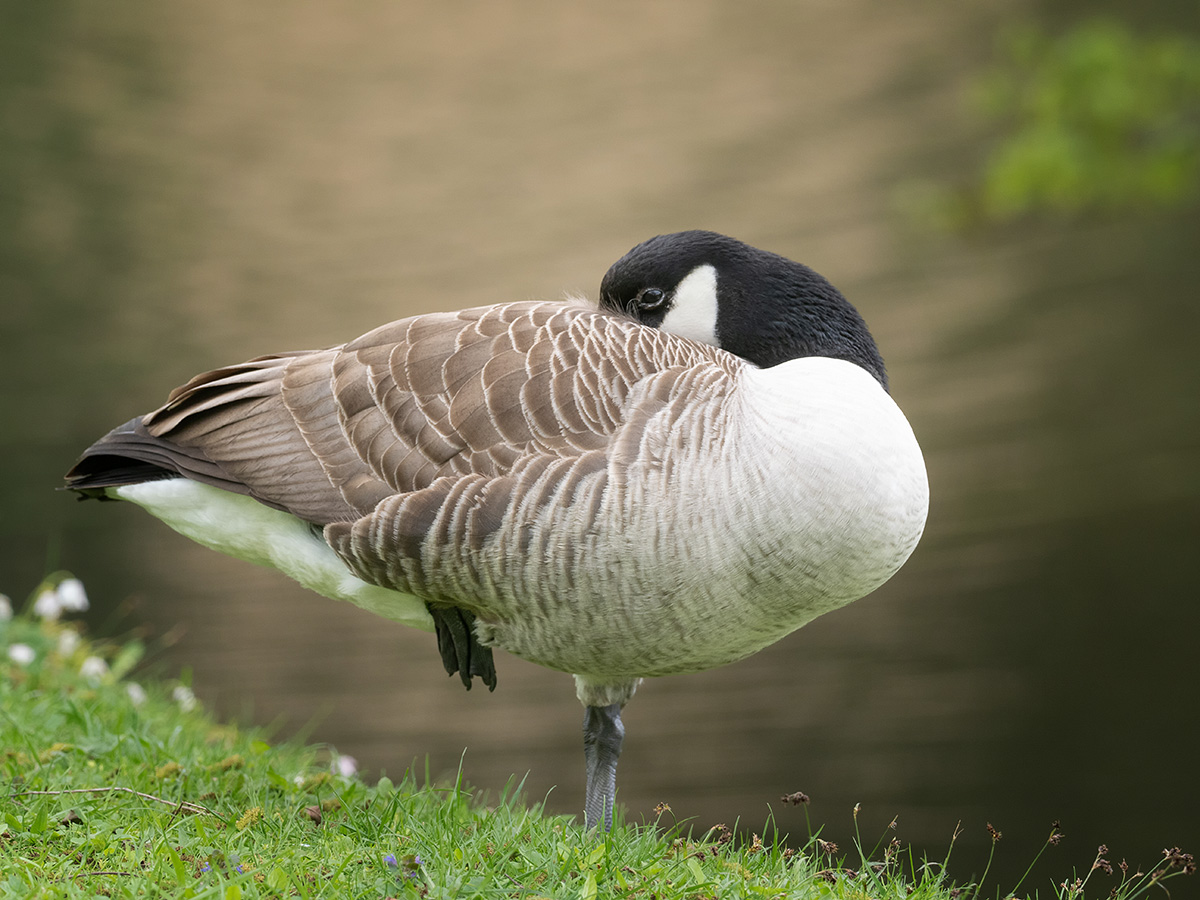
<point>760,306</point>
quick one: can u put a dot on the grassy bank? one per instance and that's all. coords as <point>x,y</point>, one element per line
<point>122,788</point>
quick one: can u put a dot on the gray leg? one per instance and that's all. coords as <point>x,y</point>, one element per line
<point>602,736</point>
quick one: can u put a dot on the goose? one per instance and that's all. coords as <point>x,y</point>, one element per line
<point>663,482</point>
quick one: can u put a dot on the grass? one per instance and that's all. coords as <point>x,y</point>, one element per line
<point>118,789</point>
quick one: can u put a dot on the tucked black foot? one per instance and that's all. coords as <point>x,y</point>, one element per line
<point>461,651</point>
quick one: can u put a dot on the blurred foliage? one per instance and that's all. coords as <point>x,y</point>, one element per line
<point>1098,120</point>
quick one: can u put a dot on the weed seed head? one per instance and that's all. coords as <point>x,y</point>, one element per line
<point>1176,857</point>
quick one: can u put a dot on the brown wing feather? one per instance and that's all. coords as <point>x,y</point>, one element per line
<point>553,394</point>
<point>328,435</point>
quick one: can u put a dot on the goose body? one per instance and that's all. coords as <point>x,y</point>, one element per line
<point>603,491</point>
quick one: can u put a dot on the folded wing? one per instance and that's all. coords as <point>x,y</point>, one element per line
<point>328,435</point>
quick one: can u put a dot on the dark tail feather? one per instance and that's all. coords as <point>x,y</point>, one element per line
<point>129,454</point>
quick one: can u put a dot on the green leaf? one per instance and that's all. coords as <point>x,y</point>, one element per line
<point>181,873</point>
<point>41,821</point>
<point>277,879</point>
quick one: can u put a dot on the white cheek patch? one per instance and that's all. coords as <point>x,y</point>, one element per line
<point>693,313</point>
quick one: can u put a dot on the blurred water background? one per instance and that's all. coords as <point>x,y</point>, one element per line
<point>185,185</point>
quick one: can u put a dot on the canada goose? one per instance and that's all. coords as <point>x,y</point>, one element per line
<point>603,491</point>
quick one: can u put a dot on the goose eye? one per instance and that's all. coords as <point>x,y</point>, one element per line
<point>650,300</point>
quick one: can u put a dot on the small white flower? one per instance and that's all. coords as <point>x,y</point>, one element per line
<point>93,669</point>
<point>184,697</point>
<point>71,595</point>
<point>6,611</point>
<point>137,694</point>
<point>298,780</point>
<point>68,642</point>
<point>22,654</point>
<point>345,765</point>
<point>47,605</point>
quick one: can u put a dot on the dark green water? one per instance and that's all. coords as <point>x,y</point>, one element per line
<point>188,187</point>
